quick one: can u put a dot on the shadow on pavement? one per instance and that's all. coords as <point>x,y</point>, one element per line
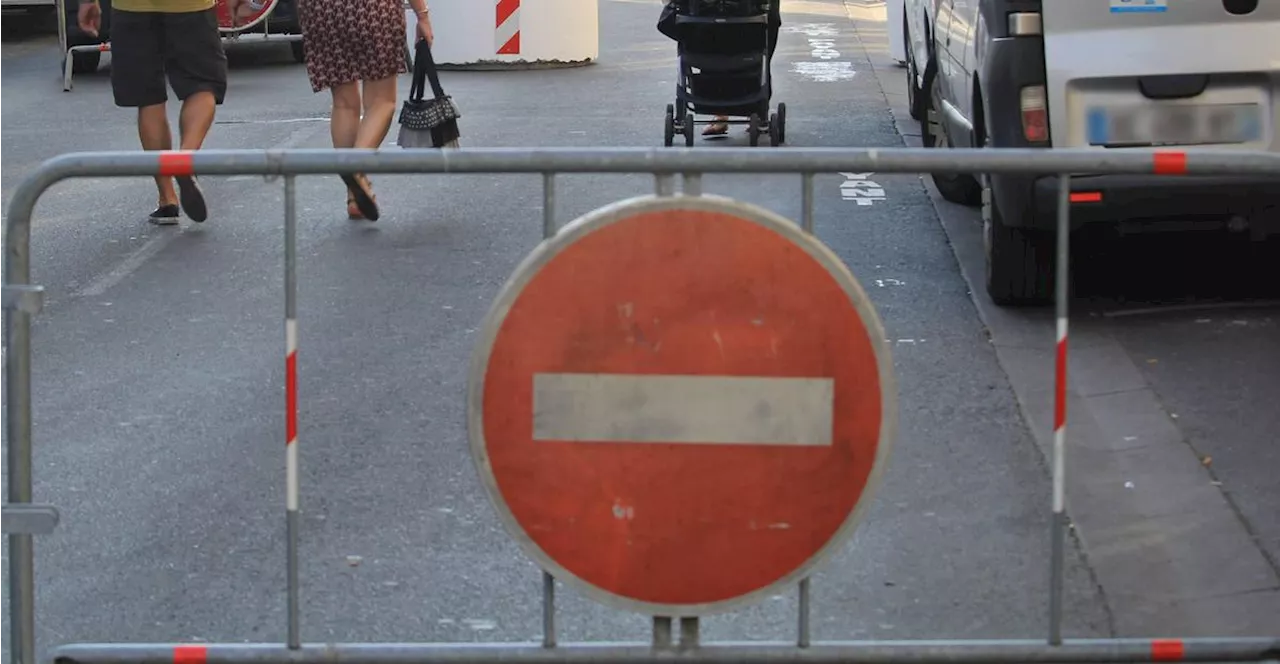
<point>1124,272</point>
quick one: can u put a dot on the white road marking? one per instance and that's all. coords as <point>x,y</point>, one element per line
<point>822,46</point>
<point>155,245</point>
<point>812,29</point>
<point>824,72</point>
<point>726,410</point>
<point>861,190</point>
<point>128,266</point>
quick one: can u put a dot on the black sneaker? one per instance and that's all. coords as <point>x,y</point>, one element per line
<point>165,215</point>
<point>192,198</point>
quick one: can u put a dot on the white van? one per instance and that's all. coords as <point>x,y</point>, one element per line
<point>1102,74</point>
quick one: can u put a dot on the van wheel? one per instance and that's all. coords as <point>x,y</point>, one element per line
<point>956,187</point>
<point>1020,261</point>
<point>915,99</point>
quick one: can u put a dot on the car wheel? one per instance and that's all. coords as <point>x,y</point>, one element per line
<point>956,187</point>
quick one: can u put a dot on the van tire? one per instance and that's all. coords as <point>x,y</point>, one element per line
<point>1020,261</point>
<point>959,188</point>
<point>915,98</point>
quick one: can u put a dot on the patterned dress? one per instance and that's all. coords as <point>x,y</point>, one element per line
<point>352,40</point>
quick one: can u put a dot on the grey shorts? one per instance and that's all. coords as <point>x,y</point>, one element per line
<point>147,47</point>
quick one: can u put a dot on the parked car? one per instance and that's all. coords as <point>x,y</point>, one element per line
<point>1105,75</point>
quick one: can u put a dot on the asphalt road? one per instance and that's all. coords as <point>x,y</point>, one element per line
<point>159,376</point>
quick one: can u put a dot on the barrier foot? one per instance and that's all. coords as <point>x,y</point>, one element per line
<point>26,298</point>
<point>29,519</point>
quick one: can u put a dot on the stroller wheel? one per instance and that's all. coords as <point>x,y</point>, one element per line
<point>775,131</point>
<point>669,126</point>
<point>753,130</point>
<point>782,123</point>
<point>687,126</point>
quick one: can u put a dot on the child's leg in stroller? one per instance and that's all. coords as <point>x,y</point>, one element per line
<point>719,127</point>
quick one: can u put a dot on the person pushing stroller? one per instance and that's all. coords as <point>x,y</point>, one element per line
<point>720,44</point>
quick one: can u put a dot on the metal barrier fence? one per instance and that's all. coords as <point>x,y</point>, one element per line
<point>22,300</point>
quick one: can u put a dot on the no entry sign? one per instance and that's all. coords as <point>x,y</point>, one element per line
<point>678,404</point>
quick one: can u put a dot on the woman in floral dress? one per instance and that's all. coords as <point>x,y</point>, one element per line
<point>355,44</point>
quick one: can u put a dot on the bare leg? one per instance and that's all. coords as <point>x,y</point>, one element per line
<point>196,118</point>
<point>153,131</point>
<point>344,121</point>
<point>344,128</point>
<point>379,109</point>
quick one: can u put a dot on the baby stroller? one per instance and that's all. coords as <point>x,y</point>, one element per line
<point>723,49</point>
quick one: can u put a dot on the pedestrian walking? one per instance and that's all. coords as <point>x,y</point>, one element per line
<point>666,25</point>
<point>355,49</point>
<point>152,40</point>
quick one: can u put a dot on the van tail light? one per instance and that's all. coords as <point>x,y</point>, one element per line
<point>1025,24</point>
<point>1035,114</point>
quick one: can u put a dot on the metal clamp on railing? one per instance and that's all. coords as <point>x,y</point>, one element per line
<point>25,298</point>
<point>27,519</point>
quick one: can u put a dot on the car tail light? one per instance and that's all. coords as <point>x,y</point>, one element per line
<point>1035,114</point>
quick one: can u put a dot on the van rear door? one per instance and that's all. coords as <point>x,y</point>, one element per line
<point>1142,73</point>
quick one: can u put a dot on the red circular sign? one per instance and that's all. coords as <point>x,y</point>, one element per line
<point>679,403</point>
<point>240,15</point>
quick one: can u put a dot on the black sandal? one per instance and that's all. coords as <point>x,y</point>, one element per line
<point>360,189</point>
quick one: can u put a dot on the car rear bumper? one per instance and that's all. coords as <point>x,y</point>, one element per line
<point>1033,202</point>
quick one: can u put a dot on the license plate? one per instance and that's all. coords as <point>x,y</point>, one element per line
<point>1175,124</point>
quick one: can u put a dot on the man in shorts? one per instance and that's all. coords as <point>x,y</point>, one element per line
<point>152,40</point>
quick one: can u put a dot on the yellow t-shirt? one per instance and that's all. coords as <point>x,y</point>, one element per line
<point>167,6</point>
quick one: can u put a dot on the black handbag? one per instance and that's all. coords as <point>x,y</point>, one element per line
<point>427,123</point>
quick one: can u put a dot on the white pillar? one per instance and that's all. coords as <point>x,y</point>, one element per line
<point>897,44</point>
<point>532,33</point>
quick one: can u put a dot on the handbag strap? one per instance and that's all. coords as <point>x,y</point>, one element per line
<point>424,70</point>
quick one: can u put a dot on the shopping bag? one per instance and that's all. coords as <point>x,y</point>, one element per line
<point>427,123</point>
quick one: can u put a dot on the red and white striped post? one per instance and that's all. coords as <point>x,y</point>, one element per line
<point>1059,525</point>
<point>291,404</point>
<point>507,27</point>
<point>1163,163</point>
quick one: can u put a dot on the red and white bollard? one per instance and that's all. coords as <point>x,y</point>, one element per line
<point>512,34</point>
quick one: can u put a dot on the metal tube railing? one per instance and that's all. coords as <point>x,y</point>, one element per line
<point>22,301</point>
<point>883,652</point>
<point>673,161</point>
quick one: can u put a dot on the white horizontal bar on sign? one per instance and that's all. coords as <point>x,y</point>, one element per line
<point>724,410</point>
